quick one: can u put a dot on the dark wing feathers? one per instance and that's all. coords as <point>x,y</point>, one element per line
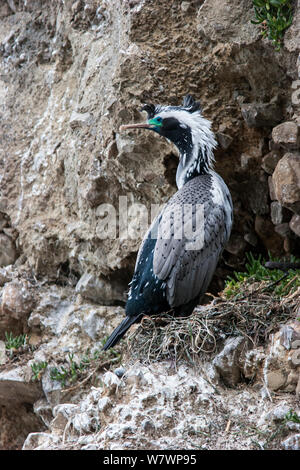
<point>189,272</point>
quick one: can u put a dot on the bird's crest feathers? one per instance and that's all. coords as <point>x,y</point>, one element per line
<point>188,104</point>
<point>150,110</point>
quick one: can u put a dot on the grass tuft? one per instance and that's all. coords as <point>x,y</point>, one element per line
<point>38,368</point>
<point>275,17</point>
<point>275,280</point>
<point>15,342</point>
<point>72,371</point>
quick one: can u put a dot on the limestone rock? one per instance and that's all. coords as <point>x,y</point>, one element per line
<point>286,180</point>
<point>255,193</point>
<point>4,10</point>
<point>16,387</point>
<point>251,238</point>
<point>283,230</point>
<point>79,119</point>
<point>252,362</point>
<point>93,323</point>
<point>227,21</point>
<point>5,276</point>
<point>289,334</point>
<point>17,421</point>
<point>292,35</point>
<point>110,381</point>
<point>271,188</point>
<point>276,379</point>
<point>40,441</point>
<point>292,442</point>
<point>227,361</point>
<point>51,389</point>
<point>8,252</point>
<point>279,412</point>
<point>3,221</point>
<point>248,162</point>
<point>279,214</point>
<point>43,410</point>
<point>62,414</point>
<point>185,6</point>
<point>261,114</point>
<point>270,161</point>
<point>295,224</point>
<point>85,422</point>
<point>297,391</point>
<point>17,300</point>
<point>224,140</point>
<point>104,404</point>
<point>286,135</point>
<point>100,290</point>
<point>3,357</point>
<point>265,230</point>
<point>282,365</point>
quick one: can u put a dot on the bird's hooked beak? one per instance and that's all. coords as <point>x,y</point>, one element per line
<point>143,125</point>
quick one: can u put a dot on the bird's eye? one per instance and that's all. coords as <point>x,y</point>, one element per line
<point>157,122</point>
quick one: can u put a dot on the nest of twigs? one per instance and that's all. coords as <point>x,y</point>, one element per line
<point>255,315</point>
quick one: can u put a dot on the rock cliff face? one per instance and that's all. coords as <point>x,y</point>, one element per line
<point>73,71</point>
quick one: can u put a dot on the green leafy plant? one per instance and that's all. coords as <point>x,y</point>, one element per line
<point>275,16</point>
<point>72,371</point>
<point>69,373</point>
<point>38,369</point>
<point>292,416</point>
<point>15,342</point>
<point>256,271</point>
<point>60,375</point>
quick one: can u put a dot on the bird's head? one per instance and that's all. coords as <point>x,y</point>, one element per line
<point>184,126</point>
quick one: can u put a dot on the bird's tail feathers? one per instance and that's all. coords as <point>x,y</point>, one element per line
<point>119,332</point>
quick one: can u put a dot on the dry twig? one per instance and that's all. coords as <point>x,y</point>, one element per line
<point>253,316</point>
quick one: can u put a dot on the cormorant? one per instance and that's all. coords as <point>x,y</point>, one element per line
<point>180,251</point>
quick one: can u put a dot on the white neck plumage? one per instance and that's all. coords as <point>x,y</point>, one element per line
<point>198,158</point>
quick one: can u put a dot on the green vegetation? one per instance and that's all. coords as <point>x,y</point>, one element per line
<point>37,369</point>
<point>13,343</point>
<point>275,16</point>
<point>280,283</point>
<point>73,370</point>
<point>292,416</point>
